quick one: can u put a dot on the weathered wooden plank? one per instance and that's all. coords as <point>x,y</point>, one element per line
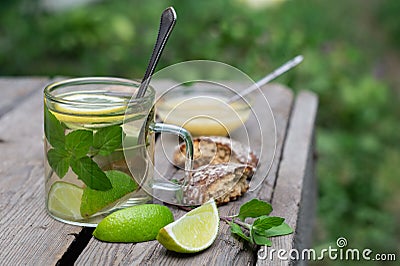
<point>226,250</point>
<point>280,100</point>
<point>15,90</point>
<point>28,236</point>
<point>295,193</point>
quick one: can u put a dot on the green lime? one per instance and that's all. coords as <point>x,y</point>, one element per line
<point>64,201</point>
<point>193,232</point>
<point>94,201</point>
<point>134,224</point>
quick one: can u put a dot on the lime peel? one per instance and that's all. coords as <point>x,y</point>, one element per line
<point>193,232</point>
<point>134,224</point>
<point>94,201</point>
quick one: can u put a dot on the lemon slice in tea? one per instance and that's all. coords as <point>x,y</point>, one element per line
<point>64,200</point>
<point>90,108</point>
<point>193,232</point>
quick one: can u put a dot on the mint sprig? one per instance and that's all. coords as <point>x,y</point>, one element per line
<point>77,149</point>
<point>262,226</point>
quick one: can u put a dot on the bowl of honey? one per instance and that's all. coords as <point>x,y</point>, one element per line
<point>204,108</point>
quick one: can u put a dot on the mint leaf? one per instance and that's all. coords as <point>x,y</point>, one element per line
<point>262,228</point>
<point>54,130</point>
<point>107,139</point>
<point>78,142</point>
<point>254,208</point>
<point>90,173</point>
<point>260,236</point>
<point>59,160</point>
<point>237,230</point>
<point>263,223</point>
<point>280,230</point>
<point>260,239</point>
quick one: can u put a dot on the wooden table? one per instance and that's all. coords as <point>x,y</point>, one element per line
<point>28,236</point>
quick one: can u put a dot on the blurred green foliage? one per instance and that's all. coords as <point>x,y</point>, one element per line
<point>358,122</point>
<point>389,20</point>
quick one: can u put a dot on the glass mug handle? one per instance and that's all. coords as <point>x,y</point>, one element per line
<point>168,191</point>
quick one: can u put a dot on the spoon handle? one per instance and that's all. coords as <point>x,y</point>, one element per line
<point>167,23</point>
<point>276,73</point>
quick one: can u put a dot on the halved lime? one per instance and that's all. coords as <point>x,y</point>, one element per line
<point>193,232</point>
<point>64,201</point>
<point>94,201</point>
<point>134,224</point>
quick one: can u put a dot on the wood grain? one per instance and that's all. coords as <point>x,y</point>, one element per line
<point>294,192</point>
<point>15,90</point>
<point>28,235</point>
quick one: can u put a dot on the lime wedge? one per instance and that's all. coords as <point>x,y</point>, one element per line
<point>193,232</point>
<point>64,201</point>
<point>134,224</point>
<point>94,201</point>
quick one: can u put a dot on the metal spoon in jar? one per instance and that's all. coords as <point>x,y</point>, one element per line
<point>273,75</point>
<point>167,23</point>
